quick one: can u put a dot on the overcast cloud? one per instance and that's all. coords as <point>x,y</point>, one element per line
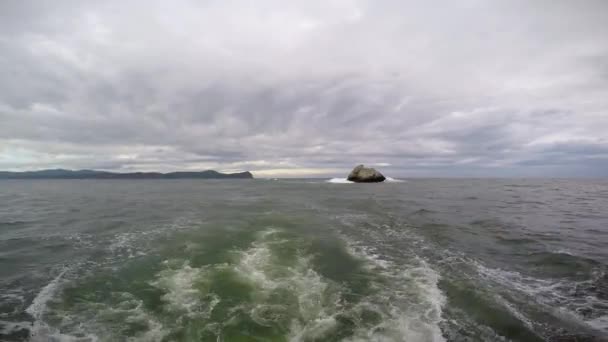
<point>300,88</point>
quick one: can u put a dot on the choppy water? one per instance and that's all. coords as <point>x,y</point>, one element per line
<point>304,260</point>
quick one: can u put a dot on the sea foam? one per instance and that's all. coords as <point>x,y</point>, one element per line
<point>555,294</point>
<point>40,331</point>
<point>346,181</point>
<point>410,302</point>
<point>339,181</point>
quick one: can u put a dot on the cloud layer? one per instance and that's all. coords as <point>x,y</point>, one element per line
<point>300,88</point>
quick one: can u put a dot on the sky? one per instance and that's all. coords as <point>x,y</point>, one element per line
<point>472,88</point>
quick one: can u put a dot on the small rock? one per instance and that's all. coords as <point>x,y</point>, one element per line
<point>362,174</point>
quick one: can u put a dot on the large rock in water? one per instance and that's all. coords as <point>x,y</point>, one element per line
<point>362,174</point>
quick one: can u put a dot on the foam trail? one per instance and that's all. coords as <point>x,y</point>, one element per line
<point>314,297</point>
<point>40,331</point>
<point>38,306</point>
<point>417,312</point>
<point>181,293</point>
<point>553,293</point>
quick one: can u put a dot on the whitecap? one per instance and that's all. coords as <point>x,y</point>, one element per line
<point>339,181</point>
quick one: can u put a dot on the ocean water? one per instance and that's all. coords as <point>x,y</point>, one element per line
<point>304,260</point>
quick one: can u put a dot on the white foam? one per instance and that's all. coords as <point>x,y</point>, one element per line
<point>339,181</point>
<point>555,294</point>
<point>515,312</point>
<point>407,299</point>
<point>412,295</point>
<point>317,297</point>
<point>313,330</point>
<point>394,180</point>
<point>129,310</point>
<point>599,323</point>
<point>529,285</point>
<point>178,285</point>
<point>38,306</point>
<point>563,251</point>
<point>42,332</point>
<point>259,266</point>
<point>132,244</point>
<point>181,294</point>
<point>253,266</point>
<point>155,332</point>
<point>123,244</point>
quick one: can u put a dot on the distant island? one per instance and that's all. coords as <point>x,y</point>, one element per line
<point>93,174</point>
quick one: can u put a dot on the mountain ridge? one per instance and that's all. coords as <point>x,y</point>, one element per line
<point>95,174</point>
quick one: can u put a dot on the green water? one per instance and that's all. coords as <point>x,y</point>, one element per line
<point>302,260</point>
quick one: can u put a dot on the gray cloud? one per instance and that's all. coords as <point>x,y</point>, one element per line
<point>504,88</point>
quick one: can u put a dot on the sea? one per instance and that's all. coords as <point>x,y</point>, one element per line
<point>412,260</point>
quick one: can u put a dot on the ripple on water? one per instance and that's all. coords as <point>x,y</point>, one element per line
<point>582,302</point>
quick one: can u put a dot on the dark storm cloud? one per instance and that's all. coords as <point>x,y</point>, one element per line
<point>306,88</point>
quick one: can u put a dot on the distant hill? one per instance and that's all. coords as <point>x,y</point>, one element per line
<point>93,174</point>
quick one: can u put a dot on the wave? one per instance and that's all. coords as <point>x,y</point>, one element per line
<point>576,301</point>
<point>313,297</point>
<point>17,223</point>
<point>135,243</point>
<point>84,324</point>
<point>407,303</point>
<point>39,330</point>
<point>276,292</point>
<point>275,285</point>
<point>412,294</point>
<point>10,328</point>
<point>581,305</point>
<point>38,306</point>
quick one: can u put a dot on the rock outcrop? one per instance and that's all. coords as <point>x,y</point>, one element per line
<point>362,174</point>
